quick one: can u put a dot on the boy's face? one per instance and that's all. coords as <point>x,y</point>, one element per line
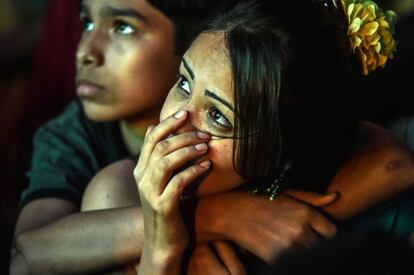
<point>125,59</point>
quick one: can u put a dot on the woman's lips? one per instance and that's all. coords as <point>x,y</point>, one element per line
<point>88,89</point>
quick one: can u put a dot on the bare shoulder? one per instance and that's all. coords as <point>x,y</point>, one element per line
<point>114,186</point>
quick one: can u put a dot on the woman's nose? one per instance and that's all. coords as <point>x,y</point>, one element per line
<point>189,124</point>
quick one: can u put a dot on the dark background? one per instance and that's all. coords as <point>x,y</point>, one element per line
<point>37,64</point>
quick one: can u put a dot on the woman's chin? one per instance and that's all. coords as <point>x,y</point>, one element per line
<point>208,188</point>
<point>211,182</point>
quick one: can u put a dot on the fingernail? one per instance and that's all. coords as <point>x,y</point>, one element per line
<point>180,114</point>
<point>203,135</point>
<point>205,164</point>
<point>149,129</point>
<point>201,147</point>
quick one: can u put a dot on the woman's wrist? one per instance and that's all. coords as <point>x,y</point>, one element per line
<point>161,261</point>
<point>212,223</point>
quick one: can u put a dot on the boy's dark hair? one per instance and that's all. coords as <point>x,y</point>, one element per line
<point>188,17</point>
<point>282,53</point>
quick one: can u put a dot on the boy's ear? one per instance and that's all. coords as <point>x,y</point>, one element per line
<point>313,198</point>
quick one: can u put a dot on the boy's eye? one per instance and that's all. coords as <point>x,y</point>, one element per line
<point>87,25</point>
<point>219,119</point>
<point>184,85</point>
<point>122,27</point>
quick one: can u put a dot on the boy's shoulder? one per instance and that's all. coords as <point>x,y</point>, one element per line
<point>68,151</point>
<point>74,124</point>
<point>73,132</point>
<point>72,116</point>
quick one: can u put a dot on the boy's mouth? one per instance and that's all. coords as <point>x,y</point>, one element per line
<point>86,88</point>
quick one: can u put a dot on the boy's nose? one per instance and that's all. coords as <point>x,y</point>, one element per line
<point>89,52</point>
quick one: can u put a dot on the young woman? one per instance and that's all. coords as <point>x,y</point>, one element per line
<point>272,107</point>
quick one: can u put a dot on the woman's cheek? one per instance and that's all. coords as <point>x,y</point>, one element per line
<point>170,107</point>
<point>222,176</point>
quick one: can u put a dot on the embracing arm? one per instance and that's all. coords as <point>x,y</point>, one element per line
<point>380,170</point>
<point>105,191</point>
<point>52,238</point>
<point>373,175</point>
<point>222,261</point>
<point>266,228</point>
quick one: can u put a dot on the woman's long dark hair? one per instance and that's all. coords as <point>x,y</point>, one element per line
<point>294,81</point>
<point>255,51</point>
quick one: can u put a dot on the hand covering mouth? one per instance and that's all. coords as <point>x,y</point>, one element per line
<point>191,190</point>
<point>187,165</point>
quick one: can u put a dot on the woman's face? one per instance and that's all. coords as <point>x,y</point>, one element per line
<point>204,90</point>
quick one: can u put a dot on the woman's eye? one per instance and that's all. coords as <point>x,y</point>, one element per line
<point>219,119</point>
<point>184,85</point>
<point>87,25</point>
<point>122,27</point>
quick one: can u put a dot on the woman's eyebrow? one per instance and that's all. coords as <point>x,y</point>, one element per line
<point>110,11</point>
<point>188,68</point>
<point>216,97</point>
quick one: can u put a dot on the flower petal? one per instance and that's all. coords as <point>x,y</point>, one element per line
<point>355,25</point>
<point>369,28</point>
<point>370,32</point>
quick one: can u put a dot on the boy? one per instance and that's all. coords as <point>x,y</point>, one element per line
<point>126,63</point>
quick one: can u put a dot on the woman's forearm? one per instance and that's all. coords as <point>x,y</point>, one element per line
<point>163,264</point>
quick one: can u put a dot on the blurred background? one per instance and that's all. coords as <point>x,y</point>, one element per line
<point>20,28</point>
<point>37,64</point>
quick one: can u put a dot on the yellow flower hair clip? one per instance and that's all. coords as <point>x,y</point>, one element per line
<point>371,32</point>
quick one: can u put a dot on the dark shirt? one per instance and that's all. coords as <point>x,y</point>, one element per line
<point>395,217</point>
<point>68,151</point>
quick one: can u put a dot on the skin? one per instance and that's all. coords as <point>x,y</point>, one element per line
<point>139,46</point>
<point>124,67</point>
<point>204,260</point>
<point>120,241</point>
<point>275,223</point>
<point>160,189</point>
<point>204,91</point>
<point>190,105</point>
